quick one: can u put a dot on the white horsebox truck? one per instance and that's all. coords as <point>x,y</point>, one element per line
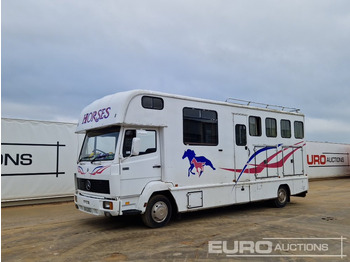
<point>157,154</point>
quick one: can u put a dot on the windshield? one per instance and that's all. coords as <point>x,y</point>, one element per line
<point>100,144</point>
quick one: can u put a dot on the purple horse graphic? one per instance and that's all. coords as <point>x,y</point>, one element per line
<point>197,162</point>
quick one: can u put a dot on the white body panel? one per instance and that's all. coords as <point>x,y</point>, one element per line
<point>195,175</point>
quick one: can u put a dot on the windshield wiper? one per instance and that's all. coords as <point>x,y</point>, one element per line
<point>97,157</point>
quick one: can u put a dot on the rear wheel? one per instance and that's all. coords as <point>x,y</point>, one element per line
<point>282,197</point>
<point>158,212</point>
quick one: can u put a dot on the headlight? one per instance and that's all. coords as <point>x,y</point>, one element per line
<point>108,205</point>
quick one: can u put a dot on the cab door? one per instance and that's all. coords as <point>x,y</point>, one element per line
<point>138,170</point>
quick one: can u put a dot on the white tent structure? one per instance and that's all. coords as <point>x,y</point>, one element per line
<point>38,160</point>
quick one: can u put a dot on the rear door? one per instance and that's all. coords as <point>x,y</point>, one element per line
<point>241,149</point>
<point>293,160</point>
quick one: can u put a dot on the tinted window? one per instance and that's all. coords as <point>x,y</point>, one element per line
<point>271,127</point>
<point>200,127</point>
<point>150,102</point>
<point>254,126</point>
<point>286,131</point>
<point>241,135</point>
<point>298,129</point>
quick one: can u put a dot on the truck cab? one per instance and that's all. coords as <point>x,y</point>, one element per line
<point>119,166</point>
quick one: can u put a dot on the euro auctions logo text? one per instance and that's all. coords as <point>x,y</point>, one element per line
<point>323,160</point>
<point>240,247</point>
<point>280,247</point>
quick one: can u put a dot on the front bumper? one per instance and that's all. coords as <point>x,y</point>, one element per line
<point>97,206</point>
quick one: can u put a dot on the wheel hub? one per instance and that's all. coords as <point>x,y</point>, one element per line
<point>282,196</point>
<point>159,211</point>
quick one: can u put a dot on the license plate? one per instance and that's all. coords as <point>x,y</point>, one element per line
<point>87,209</point>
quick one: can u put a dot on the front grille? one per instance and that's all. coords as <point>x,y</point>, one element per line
<point>93,185</point>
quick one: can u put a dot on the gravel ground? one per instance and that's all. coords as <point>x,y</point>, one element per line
<point>59,232</point>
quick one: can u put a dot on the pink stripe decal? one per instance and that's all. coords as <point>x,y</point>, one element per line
<point>257,169</point>
<point>97,170</point>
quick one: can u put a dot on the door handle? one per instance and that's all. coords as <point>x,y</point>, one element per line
<point>157,166</point>
<point>247,148</point>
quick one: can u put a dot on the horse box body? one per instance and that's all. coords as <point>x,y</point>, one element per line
<point>156,154</point>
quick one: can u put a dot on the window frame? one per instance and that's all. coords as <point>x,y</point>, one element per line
<point>283,131</point>
<point>238,134</point>
<point>126,152</point>
<point>201,126</point>
<point>297,130</point>
<point>269,130</point>
<point>257,124</point>
<point>152,105</point>
<point>95,136</point>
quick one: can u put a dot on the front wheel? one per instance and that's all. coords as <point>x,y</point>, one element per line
<point>282,197</point>
<point>158,212</point>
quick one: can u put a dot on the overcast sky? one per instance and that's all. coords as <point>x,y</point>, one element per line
<point>60,55</point>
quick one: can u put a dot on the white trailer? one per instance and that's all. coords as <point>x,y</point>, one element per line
<point>156,154</point>
<point>324,160</point>
<point>38,159</point>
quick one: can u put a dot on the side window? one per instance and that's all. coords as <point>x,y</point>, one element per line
<point>254,126</point>
<point>286,130</point>
<point>148,141</point>
<point>200,127</point>
<point>271,127</point>
<point>150,102</point>
<point>241,135</point>
<point>298,129</point>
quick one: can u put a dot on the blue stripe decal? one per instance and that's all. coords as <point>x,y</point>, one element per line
<point>253,156</point>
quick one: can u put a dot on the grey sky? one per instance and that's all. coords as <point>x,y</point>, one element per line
<point>60,55</point>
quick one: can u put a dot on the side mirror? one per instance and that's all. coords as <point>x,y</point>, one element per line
<point>135,147</point>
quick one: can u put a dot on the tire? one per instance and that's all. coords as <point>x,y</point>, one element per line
<point>158,212</point>
<point>282,197</point>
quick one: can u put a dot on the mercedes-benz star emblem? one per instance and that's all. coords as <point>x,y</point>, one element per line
<point>88,185</point>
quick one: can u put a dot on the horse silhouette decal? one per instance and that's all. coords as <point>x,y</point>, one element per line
<point>197,162</point>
